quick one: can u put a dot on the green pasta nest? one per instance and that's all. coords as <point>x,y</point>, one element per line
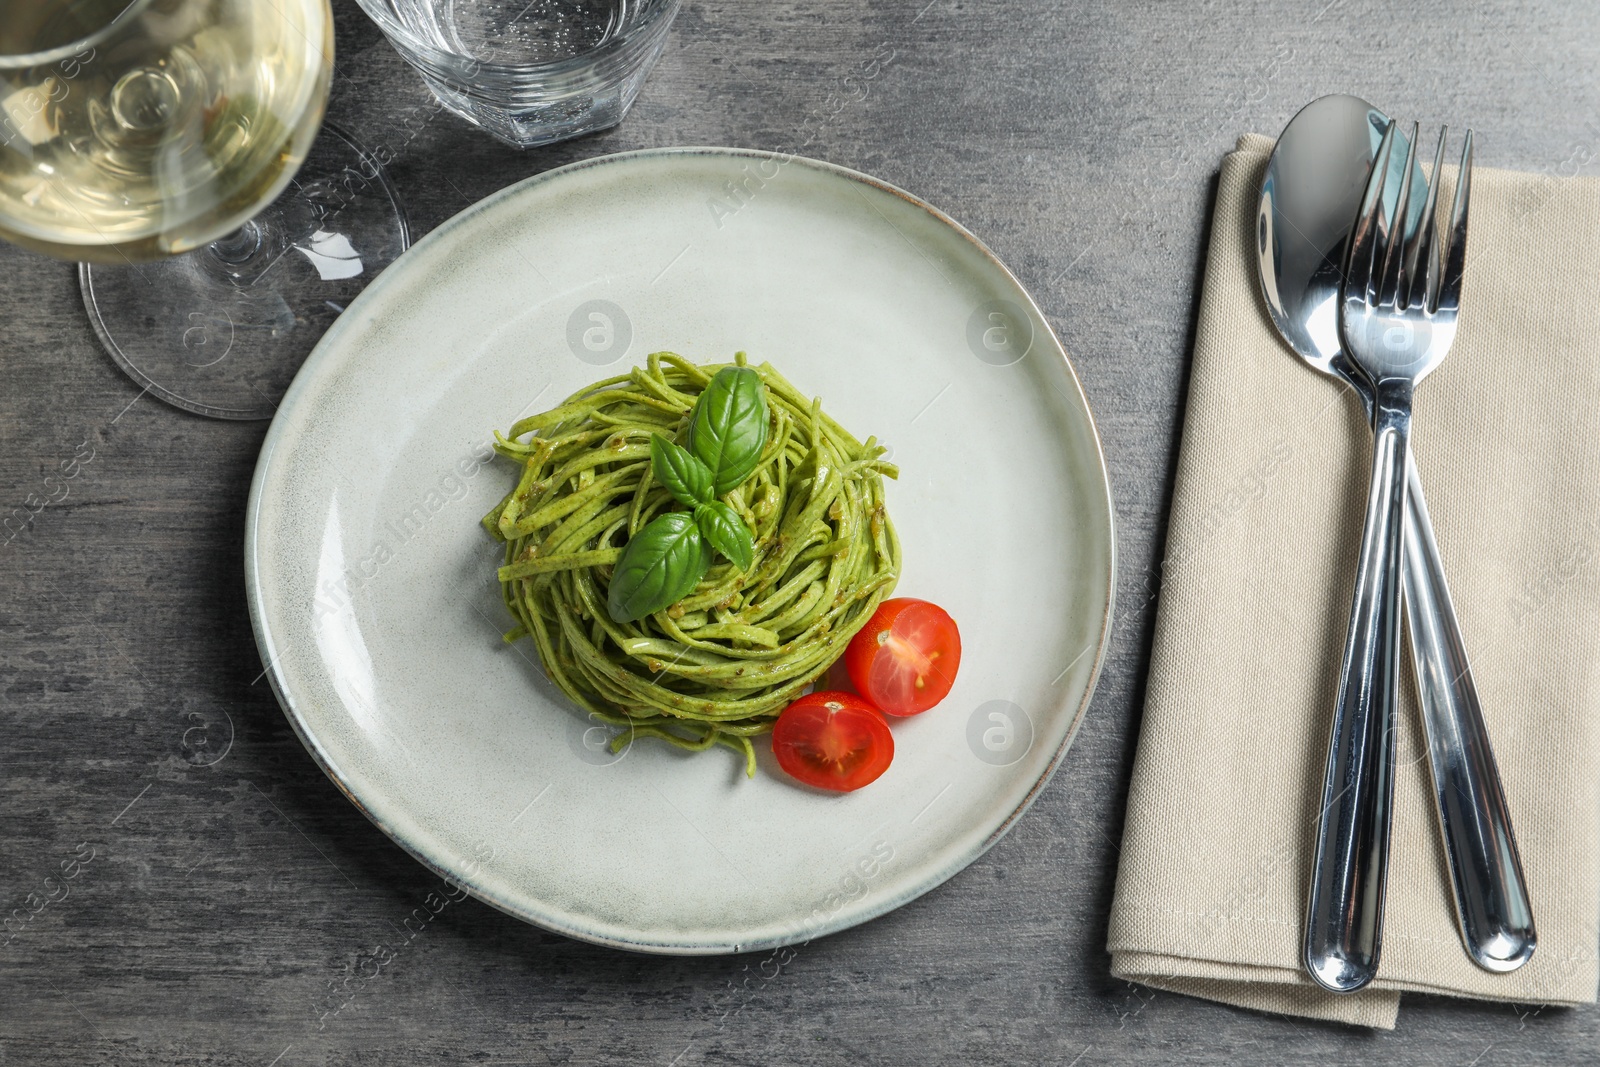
<point>718,666</point>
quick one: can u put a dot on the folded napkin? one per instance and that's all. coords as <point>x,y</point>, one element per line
<point>1255,595</point>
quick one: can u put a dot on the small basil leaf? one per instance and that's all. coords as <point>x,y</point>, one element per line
<point>727,532</point>
<point>686,478</point>
<point>660,565</point>
<point>728,427</point>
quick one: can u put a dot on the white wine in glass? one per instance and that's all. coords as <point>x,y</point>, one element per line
<point>132,131</point>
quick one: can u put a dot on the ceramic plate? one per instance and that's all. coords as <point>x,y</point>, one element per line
<point>372,587</point>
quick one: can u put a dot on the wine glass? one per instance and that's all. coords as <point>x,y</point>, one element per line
<point>146,139</point>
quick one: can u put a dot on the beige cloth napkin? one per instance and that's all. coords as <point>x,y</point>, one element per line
<point>1255,595</point>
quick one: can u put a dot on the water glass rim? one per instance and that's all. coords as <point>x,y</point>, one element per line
<point>26,60</point>
<point>378,11</point>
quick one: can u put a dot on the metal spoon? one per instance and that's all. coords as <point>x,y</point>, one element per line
<point>1309,200</point>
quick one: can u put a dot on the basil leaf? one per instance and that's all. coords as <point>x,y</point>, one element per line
<point>686,478</point>
<point>727,533</point>
<point>728,427</point>
<point>660,565</point>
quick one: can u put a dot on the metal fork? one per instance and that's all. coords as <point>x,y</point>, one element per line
<point>1398,317</point>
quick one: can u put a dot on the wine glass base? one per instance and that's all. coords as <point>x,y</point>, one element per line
<point>222,330</point>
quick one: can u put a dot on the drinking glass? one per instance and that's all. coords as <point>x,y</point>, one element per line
<point>144,138</point>
<point>530,72</point>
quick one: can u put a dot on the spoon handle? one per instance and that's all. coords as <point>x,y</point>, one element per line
<point>1344,915</point>
<point>1491,895</point>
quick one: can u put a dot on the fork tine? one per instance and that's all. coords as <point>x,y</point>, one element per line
<point>1363,236</point>
<point>1455,256</point>
<point>1421,255</point>
<point>1390,280</point>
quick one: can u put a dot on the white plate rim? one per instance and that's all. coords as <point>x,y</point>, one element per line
<point>304,383</point>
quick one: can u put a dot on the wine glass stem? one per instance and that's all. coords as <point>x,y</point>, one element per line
<point>240,245</point>
<point>243,256</point>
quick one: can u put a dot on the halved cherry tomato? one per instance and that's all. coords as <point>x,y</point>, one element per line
<point>905,658</point>
<point>832,741</point>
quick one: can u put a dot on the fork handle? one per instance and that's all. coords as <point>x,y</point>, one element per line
<point>1344,915</point>
<point>1491,894</point>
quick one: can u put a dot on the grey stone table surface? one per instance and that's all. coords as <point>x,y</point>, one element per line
<point>229,905</point>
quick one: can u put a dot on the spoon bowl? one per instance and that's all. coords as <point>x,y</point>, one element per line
<point>1309,200</point>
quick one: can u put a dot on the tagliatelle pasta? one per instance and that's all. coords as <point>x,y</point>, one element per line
<point>719,665</point>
